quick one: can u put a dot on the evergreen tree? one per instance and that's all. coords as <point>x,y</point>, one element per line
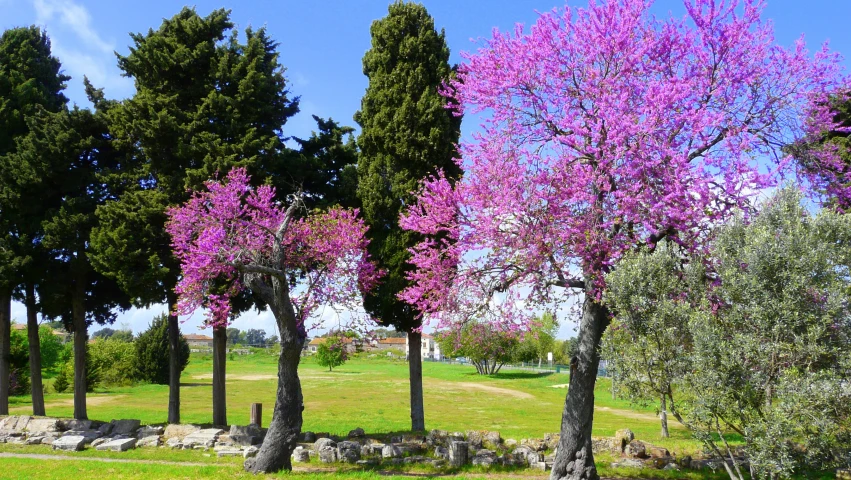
<point>205,102</point>
<point>77,293</point>
<point>407,134</point>
<point>31,88</point>
<point>152,352</point>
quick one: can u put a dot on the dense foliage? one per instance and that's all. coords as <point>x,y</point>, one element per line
<point>151,356</point>
<point>760,351</point>
<point>332,352</point>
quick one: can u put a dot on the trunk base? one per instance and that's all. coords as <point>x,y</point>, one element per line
<point>285,427</point>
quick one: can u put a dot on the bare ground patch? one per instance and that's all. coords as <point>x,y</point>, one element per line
<point>90,400</point>
<point>471,386</point>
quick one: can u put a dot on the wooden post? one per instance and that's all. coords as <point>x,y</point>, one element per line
<point>257,414</point>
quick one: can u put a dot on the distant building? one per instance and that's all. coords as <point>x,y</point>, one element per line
<point>397,343</point>
<point>199,341</point>
<point>352,344</point>
<point>429,348</point>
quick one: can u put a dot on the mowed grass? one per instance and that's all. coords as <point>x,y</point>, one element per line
<point>372,393</point>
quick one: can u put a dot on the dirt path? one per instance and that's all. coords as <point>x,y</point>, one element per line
<point>90,400</point>
<point>497,390</point>
<point>635,415</point>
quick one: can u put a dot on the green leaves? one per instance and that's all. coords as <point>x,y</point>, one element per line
<point>406,135</point>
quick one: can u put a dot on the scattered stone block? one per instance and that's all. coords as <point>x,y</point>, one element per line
<point>105,429</point>
<point>247,435</point>
<point>622,438</point>
<point>74,424</point>
<point>125,427</point>
<point>510,443</point>
<point>441,452</point>
<point>33,440</point>
<point>250,452</point>
<point>149,441</point>
<point>45,425</point>
<point>205,438</point>
<point>179,431</point>
<point>484,458</point>
<point>391,451</point>
<point>324,442</point>
<point>491,440</point>
<point>149,430</point>
<point>458,453</point>
<point>308,437</point>
<point>368,462</point>
<point>636,449</point>
<point>348,452</point>
<point>69,443</point>
<point>174,442</point>
<point>551,440</point>
<point>99,441</point>
<point>120,445</point>
<point>357,433</point>
<point>328,454</point>
<point>658,452</point>
<point>301,455</point>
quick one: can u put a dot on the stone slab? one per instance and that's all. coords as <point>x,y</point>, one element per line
<point>121,445</point>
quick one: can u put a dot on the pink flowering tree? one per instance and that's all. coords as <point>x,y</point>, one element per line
<point>606,130</point>
<point>234,238</point>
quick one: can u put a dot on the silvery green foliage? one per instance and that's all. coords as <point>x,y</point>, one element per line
<point>763,359</point>
<point>648,342</point>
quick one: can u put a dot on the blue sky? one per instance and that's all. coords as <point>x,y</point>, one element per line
<point>321,45</point>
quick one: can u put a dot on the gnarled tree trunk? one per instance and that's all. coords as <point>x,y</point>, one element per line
<point>285,427</point>
<point>5,347</point>
<point>173,359</point>
<point>663,416</point>
<point>35,351</point>
<point>78,314</point>
<point>574,459</point>
<point>415,371</point>
<point>220,350</point>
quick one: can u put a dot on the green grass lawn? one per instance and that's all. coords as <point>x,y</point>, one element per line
<point>372,393</point>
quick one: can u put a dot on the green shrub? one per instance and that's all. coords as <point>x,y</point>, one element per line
<point>152,352</point>
<point>115,359</point>
<point>19,366</point>
<point>61,382</point>
<point>65,378</point>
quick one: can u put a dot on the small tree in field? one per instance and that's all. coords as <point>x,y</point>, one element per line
<point>607,130</point>
<point>331,353</point>
<point>233,238</point>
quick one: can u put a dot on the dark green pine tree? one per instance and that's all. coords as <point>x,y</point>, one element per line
<point>407,134</point>
<point>205,102</point>
<point>31,85</point>
<point>324,167</point>
<point>77,293</point>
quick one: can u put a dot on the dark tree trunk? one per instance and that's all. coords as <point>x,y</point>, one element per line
<point>415,371</point>
<point>35,352</point>
<point>285,427</point>
<point>78,314</point>
<point>173,359</point>
<point>663,415</point>
<point>574,459</point>
<point>5,347</point>
<point>220,350</point>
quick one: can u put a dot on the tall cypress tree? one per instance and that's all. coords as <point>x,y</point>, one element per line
<point>205,102</point>
<point>31,88</point>
<point>406,135</point>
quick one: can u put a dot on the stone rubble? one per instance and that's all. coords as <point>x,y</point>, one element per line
<point>439,448</point>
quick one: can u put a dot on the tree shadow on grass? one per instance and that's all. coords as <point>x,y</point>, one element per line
<point>196,384</point>
<point>521,375</point>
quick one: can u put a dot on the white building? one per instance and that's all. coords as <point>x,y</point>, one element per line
<point>429,349</point>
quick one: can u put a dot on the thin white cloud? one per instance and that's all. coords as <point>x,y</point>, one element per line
<point>74,17</point>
